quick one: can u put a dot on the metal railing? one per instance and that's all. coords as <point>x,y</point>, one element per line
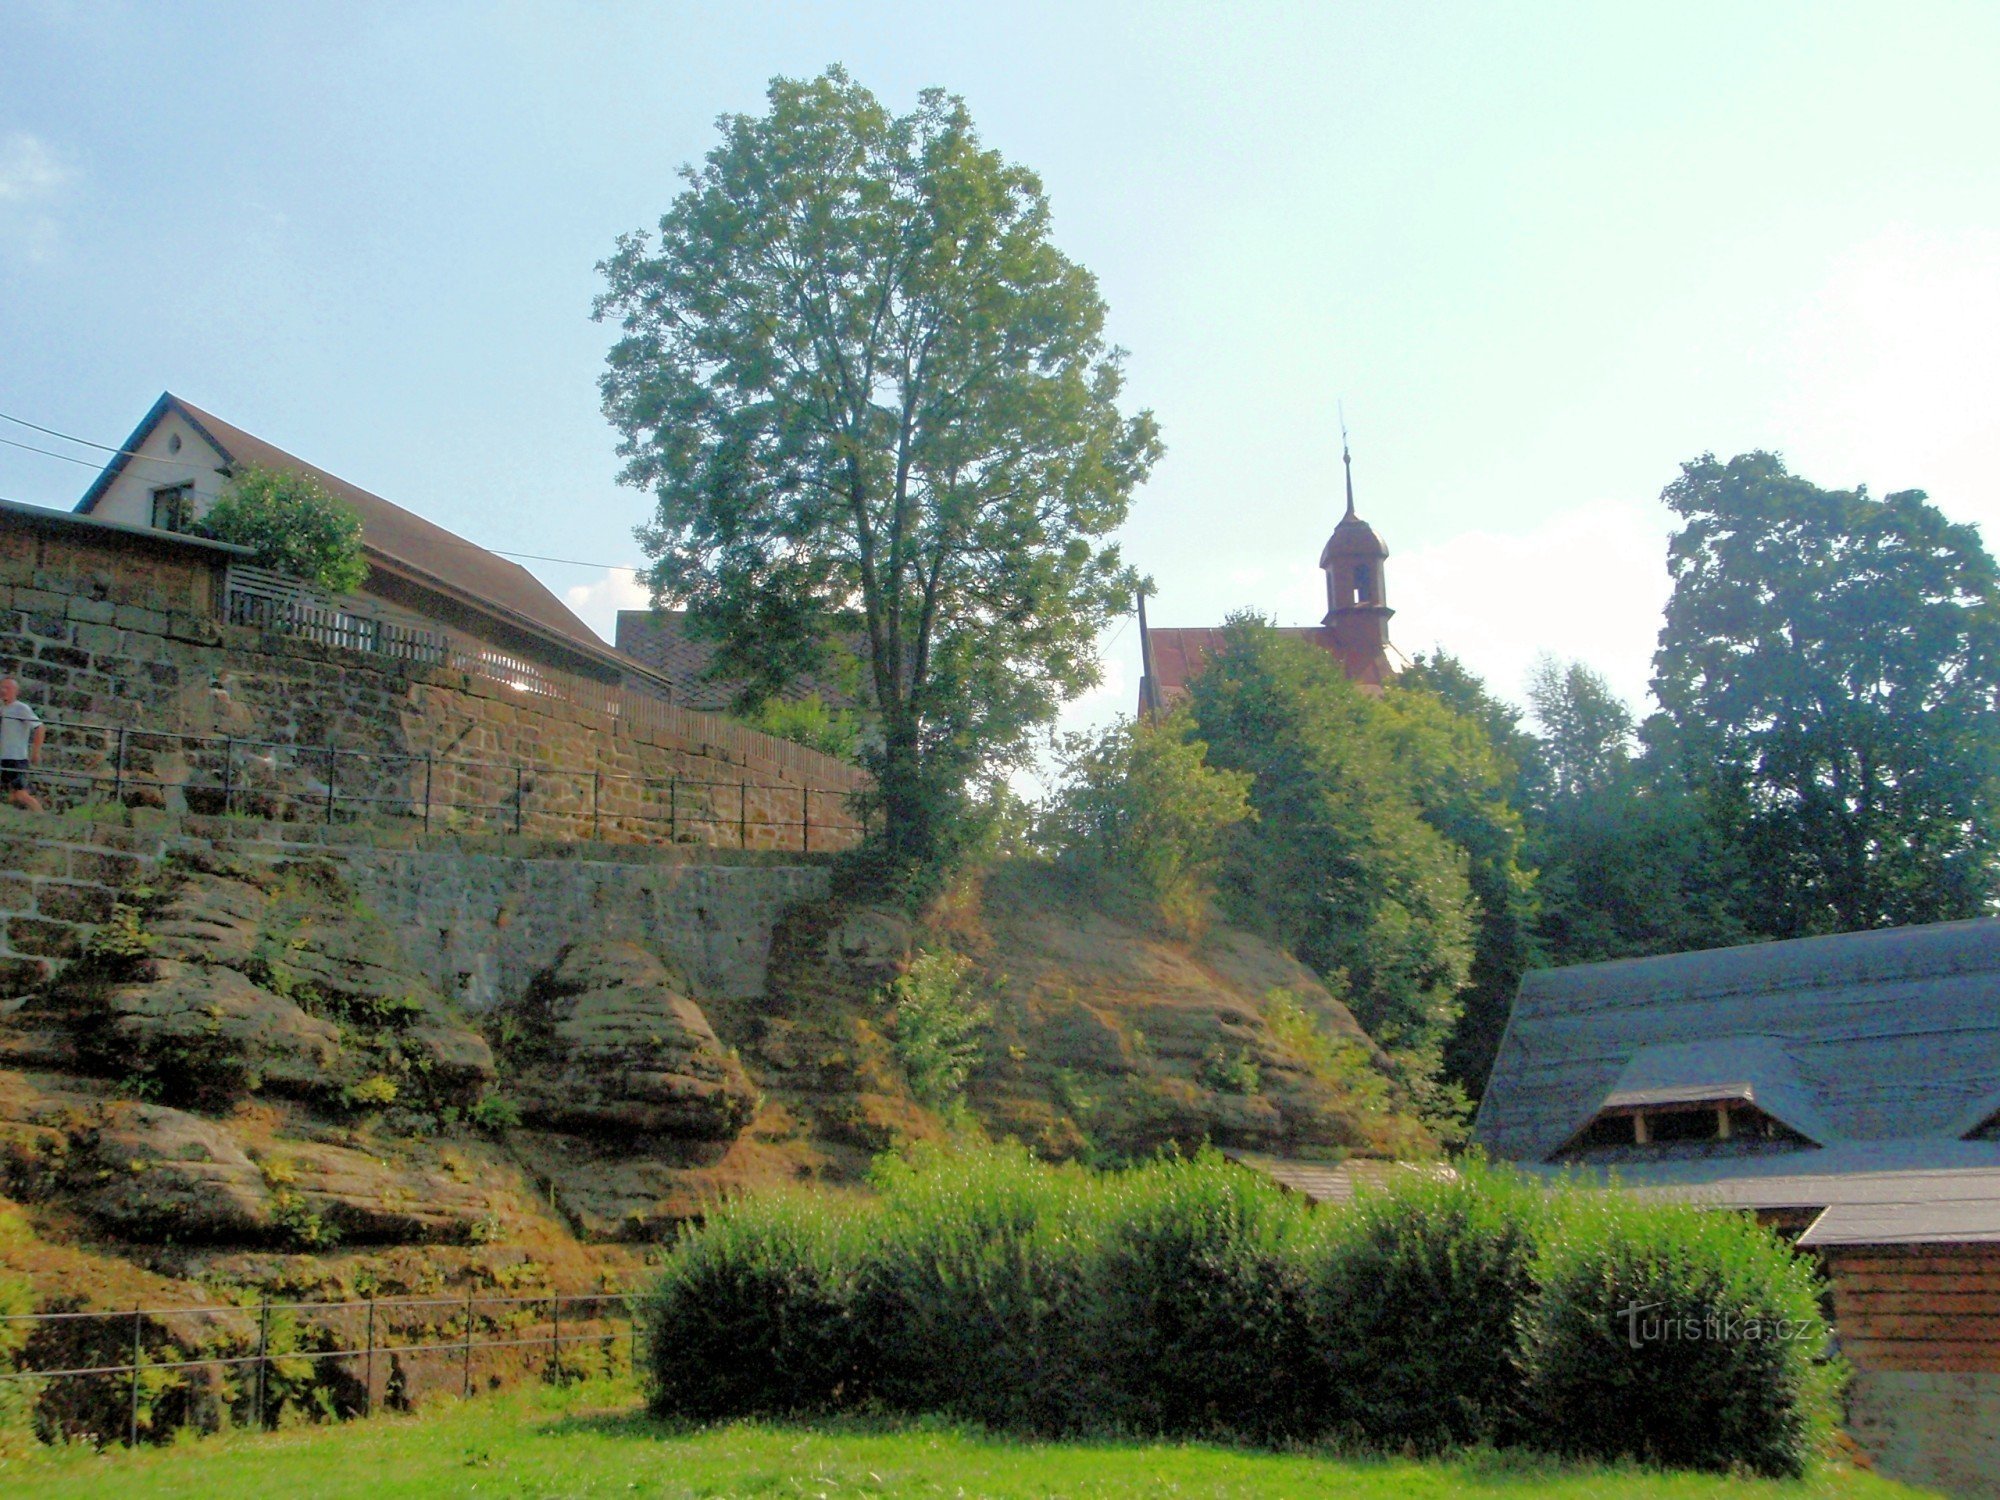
<point>257,599</point>
<point>261,1361</point>
<point>289,782</point>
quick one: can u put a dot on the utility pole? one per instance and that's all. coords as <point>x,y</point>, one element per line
<point>1149,685</point>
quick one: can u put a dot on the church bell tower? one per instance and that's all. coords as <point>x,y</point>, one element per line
<point>1357,598</point>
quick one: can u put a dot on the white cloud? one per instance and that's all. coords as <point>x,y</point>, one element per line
<point>28,169</point>
<point>31,177</point>
<point>1890,367</point>
<point>597,604</point>
<point>1588,584</point>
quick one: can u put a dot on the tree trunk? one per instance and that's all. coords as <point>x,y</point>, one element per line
<point>909,814</point>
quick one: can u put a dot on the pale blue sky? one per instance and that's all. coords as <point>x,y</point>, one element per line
<point>1544,253</point>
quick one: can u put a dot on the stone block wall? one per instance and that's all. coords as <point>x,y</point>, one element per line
<point>481,915</point>
<point>116,639</point>
<point>58,881</point>
<point>1936,1428</point>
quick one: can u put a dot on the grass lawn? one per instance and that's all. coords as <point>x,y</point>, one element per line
<point>595,1440</point>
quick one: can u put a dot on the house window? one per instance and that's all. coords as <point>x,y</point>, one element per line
<point>1361,584</point>
<point>173,507</point>
<point>1675,1124</point>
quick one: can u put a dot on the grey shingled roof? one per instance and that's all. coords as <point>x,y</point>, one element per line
<point>1753,1069</point>
<point>1874,1036</point>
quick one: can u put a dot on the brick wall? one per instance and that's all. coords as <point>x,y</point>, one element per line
<point>1921,1326</point>
<point>110,632</point>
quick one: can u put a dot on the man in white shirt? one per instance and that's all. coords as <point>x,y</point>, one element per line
<point>20,745</point>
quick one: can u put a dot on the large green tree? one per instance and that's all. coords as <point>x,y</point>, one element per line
<point>1343,863</point>
<point>1828,671</point>
<point>1462,780</point>
<point>876,404</point>
<point>1629,861</point>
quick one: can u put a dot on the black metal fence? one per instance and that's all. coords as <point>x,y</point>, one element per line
<point>290,782</point>
<point>605,1322</point>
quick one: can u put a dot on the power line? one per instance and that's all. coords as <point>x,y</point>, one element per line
<point>87,463</point>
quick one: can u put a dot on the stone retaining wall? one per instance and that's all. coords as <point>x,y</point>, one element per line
<point>112,632</point>
<point>481,915</point>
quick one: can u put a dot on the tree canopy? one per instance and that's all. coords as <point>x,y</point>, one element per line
<point>875,402</point>
<point>294,525</point>
<point>1344,863</point>
<point>1828,671</point>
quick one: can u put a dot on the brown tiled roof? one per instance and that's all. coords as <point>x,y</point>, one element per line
<point>660,640</point>
<point>388,530</point>
<point>1180,654</point>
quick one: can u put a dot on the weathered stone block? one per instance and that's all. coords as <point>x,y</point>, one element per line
<point>19,975</point>
<point>611,1041</point>
<point>101,867</point>
<point>135,617</point>
<point>39,938</point>
<point>63,902</point>
<point>25,854</point>
<point>103,640</point>
<point>167,1175</point>
<point>92,611</point>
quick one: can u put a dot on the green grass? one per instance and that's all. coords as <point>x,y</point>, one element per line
<point>595,1440</point>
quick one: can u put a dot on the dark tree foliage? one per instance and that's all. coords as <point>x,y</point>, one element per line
<point>875,402</point>
<point>1828,672</point>
<point>1628,861</point>
<point>1341,863</point>
<point>1587,732</point>
<point>1485,816</point>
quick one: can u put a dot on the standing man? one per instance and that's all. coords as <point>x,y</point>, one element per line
<point>20,745</point>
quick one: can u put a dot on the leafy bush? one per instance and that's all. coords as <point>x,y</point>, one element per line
<point>1201,1303</point>
<point>751,1313</point>
<point>17,1298</point>
<point>934,1026</point>
<point>1417,1287</point>
<point>1141,806</point>
<point>974,1297</point>
<point>1192,1298</point>
<point>495,1112</point>
<point>810,722</point>
<point>294,525</point>
<point>1676,1336</point>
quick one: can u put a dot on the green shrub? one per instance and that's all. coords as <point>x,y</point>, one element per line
<point>751,1314</point>
<point>17,1299</point>
<point>810,722</point>
<point>1678,1337</point>
<point>1141,806</point>
<point>1201,1303</point>
<point>934,1025</point>
<point>495,1112</point>
<point>294,525</point>
<point>973,1298</point>
<point>1417,1287</point>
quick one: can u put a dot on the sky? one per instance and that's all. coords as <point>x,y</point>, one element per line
<point>1542,254</point>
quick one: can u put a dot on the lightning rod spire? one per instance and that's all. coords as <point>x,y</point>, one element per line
<point>1346,460</point>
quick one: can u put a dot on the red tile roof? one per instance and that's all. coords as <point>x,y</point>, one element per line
<point>1180,654</point>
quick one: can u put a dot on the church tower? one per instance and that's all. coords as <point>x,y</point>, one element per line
<point>1357,597</point>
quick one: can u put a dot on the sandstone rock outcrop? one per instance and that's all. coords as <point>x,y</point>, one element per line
<point>234,980</point>
<point>609,1041</point>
